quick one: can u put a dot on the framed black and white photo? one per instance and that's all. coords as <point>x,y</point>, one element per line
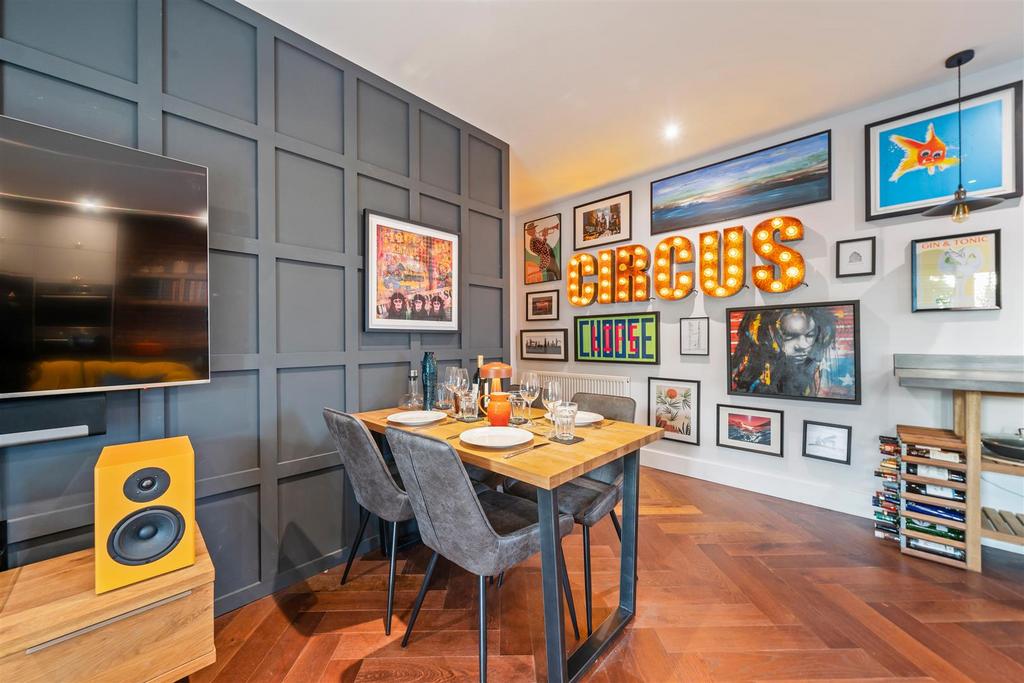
<point>542,305</point>
<point>603,221</point>
<point>750,429</point>
<point>693,337</point>
<point>544,344</point>
<point>824,441</point>
<point>674,405</point>
<point>855,257</point>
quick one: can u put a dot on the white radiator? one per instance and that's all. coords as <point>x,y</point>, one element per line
<point>572,382</point>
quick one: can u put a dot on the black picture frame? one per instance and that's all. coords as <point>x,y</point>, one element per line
<point>695,410</point>
<point>872,240</point>
<point>555,307</point>
<point>855,304</point>
<point>707,336</point>
<point>782,430</point>
<point>996,232</point>
<point>744,213</point>
<point>560,241</point>
<point>565,344</point>
<point>849,442</point>
<point>579,246</point>
<point>1018,153</point>
<point>657,342</point>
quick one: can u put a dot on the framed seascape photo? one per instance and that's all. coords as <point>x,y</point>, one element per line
<point>542,250</point>
<point>914,160</point>
<point>674,405</point>
<point>542,305</point>
<point>956,272</point>
<point>412,276</point>
<point>693,337</point>
<point>792,174</point>
<point>633,338</point>
<point>544,344</point>
<point>603,221</point>
<point>824,441</point>
<point>750,429</point>
<point>807,352</point>
<point>855,257</point>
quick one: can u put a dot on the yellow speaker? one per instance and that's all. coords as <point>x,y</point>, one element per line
<point>145,508</point>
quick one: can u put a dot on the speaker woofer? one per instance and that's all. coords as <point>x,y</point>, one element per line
<point>146,535</point>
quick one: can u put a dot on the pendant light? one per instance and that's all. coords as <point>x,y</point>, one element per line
<point>959,208</point>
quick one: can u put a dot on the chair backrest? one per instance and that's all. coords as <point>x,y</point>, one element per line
<point>448,512</point>
<point>621,408</point>
<point>372,483</point>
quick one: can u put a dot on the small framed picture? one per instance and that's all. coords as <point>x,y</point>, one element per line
<point>542,305</point>
<point>750,429</point>
<point>674,405</point>
<point>603,221</point>
<point>544,344</point>
<point>693,337</point>
<point>855,257</point>
<point>542,250</point>
<point>824,441</point>
<point>956,272</point>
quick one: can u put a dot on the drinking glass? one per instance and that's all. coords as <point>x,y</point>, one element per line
<point>468,404</point>
<point>565,421</point>
<point>456,380</point>
<point>520,409</point>
<point>443,401</point>
<point>552,396</point>
<point>529,388</point>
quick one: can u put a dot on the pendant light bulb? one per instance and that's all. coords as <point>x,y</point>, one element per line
<point>961,213</point>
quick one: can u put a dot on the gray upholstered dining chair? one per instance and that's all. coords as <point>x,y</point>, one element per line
<point>375,486</point>
<point>589,498</point>
<point>484,532</point>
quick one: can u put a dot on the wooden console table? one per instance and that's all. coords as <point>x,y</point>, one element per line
<point>53,626</point>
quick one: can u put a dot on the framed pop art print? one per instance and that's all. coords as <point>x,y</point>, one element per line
<point>674,405</point>
<point>542,305</point>
<point>956,272</point>
<point>603,221</point>
<point>542,250</point>
<point>750,429</point>
<point>631,338</point>
<point>412,276</point>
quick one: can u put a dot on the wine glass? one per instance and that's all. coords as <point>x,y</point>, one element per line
<point>552,396</point>
<point>529,387</point>
<point>455,380</point>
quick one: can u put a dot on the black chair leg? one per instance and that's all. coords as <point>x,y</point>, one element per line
<point>615,521</point>
<point>419,598</point>
<point>483,628</point>
<point>391,578</point>
<point>567,588</point>
<point>364,517</point>
<point>586,581</point>
<point>382,534</point>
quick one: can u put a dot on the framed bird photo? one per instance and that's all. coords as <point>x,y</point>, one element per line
<point>542,250</point>
<point>915,161</point>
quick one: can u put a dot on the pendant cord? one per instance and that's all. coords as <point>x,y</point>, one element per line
<point>959,129</point>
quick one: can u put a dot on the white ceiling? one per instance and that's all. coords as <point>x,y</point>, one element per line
<point>581,91</point>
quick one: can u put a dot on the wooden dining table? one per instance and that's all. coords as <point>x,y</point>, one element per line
<point>547,466</point>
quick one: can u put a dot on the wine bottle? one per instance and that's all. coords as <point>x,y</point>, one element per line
<point>933,529</point>
<point>934,472</point>
<point>936,491</point>
<point>937,549</point>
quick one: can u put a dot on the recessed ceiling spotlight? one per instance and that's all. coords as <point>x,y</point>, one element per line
<point>671,131</point>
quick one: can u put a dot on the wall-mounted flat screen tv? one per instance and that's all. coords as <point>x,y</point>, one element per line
<point>103,265</point>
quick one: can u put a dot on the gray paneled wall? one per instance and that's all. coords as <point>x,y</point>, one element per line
<point>298,142</point>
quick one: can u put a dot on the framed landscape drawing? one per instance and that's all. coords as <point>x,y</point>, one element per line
<point>855,257</point>
<point>542,305</point>
<point>913,160</point>
<point>693,337</point>
<point>412,276</point>
<point>603,221</point>
<point>750,429</point>
<point>633,338</point>
<point>674,405</point>
<point>807,352</point>
<point>544,344</point>
<point>824,441</point>
<point>956,272</point>
<point>542,250</point>
<point>792,174</point>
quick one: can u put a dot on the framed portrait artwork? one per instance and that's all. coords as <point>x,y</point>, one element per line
<point>412,276</point>
<point>956,272</point>
<point>750,429</point>
<point>914,160</point>
<point>542,305</point>
<point>855,257</point>
<point>693,337</point>
<point>792,174</point>
<point>806,352</point>
<point>674,405</point>
<point>544,344</point>
<point>632,338</point>
<point>542,250</point>
<point>823,441</point>
<point>603,221</point>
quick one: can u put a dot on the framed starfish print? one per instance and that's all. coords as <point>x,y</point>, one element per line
<point>913,160</point>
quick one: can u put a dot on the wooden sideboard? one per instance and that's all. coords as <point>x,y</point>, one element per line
<point>53,626</point>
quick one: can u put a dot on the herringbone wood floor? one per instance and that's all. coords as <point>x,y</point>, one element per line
<point>734,586</point>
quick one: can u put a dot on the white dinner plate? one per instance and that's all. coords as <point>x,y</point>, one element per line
<point>583,418</point>
<point>415,418</point>
<point>496,437</point>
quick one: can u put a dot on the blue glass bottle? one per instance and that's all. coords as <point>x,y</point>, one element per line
<point>429,375</point>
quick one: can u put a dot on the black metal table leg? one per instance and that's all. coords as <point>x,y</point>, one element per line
<point>551,562</point>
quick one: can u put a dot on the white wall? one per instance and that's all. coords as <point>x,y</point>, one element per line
<point>887,325</point>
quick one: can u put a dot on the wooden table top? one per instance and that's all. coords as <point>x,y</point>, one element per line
<point>548,466</point>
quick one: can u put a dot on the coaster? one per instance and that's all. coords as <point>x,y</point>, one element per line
<point>469,419</point>
<point>575,439</point>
